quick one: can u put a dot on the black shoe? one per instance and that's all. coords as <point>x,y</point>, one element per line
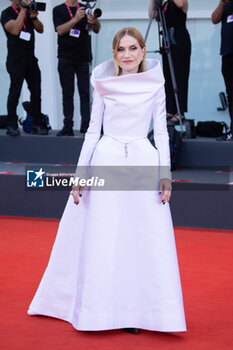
<point>226,137</point>
<point>38,130</point>
<point>131,330</point>
<point>66,131</point>
<point>11,131</point>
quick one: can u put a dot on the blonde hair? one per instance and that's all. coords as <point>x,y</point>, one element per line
<point>116,42</point>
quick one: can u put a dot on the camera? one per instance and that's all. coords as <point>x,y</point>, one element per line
<point>34,5</point>
<point>89,9</point>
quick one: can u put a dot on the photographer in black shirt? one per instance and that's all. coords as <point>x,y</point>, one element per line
<point>74,56</point>
<point>224,13</point>
<point>175,13</point>
<point>19,24</point>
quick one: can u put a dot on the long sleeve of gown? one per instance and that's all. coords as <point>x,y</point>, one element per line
<point>92,135</point>
<point>161,137</point>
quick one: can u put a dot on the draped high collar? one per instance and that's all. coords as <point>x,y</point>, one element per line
<point>104,80</point>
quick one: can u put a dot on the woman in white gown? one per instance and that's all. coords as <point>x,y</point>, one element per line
<point>114,262</point>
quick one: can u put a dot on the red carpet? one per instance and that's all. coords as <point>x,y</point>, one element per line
<point>206,267</point>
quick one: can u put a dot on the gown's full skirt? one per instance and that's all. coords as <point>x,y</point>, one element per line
<point>114,262</point>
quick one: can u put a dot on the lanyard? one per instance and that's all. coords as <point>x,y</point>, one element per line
<point>69,10</point>
<point>25,19</point>
<point>165,7</point>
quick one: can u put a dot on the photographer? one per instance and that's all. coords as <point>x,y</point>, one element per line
<point>74,56</point>
<point>19,24</point>
<point>224,13</point>
<point>175,12</point>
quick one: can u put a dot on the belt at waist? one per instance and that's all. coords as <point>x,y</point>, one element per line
<point>125,140</point>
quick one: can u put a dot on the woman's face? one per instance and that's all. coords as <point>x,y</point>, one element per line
<point>129,55</point>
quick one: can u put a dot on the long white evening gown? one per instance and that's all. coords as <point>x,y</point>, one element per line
<point>114,262</point>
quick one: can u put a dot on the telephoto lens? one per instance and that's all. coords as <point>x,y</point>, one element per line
<point>93,12</point>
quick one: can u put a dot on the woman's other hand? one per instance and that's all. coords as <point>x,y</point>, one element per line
<point>165,190</point>
<point>77,193</point>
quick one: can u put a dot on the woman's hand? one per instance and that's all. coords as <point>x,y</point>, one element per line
<point>165,190</point>
<point>76,193</point>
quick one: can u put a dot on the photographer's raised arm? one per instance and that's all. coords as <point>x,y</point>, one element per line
<point>36,22</point>
<point>14,26</point>
<point>95,24</point>
<point>217,14</point>
<point>182,4</point>
<point>151,7</point>
<point>66,27</point>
